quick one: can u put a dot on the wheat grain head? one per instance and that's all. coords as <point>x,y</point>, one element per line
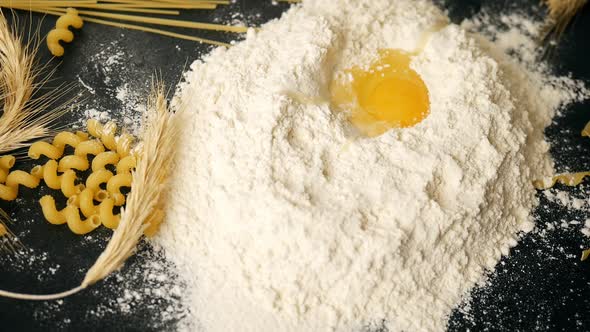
<point>25,111</point>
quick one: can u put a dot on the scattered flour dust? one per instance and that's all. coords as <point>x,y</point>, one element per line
<point>109,74</point>
<point>283,220</point>
<point>515,34</point>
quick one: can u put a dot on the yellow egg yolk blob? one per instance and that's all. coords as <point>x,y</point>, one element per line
<point>388,95</point>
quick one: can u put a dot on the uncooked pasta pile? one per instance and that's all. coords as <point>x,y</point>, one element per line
<point>300,204</point>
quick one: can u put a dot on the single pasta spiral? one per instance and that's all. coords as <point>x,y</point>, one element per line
<point>61,32</point>
<point>9,190</point>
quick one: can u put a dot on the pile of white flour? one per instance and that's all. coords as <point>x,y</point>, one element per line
<point>282,220</point>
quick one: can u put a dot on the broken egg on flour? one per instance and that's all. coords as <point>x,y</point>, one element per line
<point>386,95</point>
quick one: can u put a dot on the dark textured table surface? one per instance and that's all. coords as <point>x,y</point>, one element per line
<point>542,285</point>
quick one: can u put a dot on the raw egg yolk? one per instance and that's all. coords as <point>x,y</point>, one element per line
<point>387,95</point>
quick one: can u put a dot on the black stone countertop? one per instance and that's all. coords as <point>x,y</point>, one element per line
<point>542,285</point>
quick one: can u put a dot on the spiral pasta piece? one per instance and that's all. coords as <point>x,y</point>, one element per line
<point>37,171</point>
<point>42,148</point>
<point>126,164</point>
<point>101,195</point>
<point>50,211</point>
<point>94,127</point>
<point>86,203</point>
<point>66,138</point>
<point>103,159</point>
<point>16,178</point>
<point>115,184</point>
<point>76,224</point>
<point>83,136</point>
<point>52,180</point>
<point>108,136</point>
<point>93,147</point>
<point>124,143</point>
<point>9,191</point>
<point>68,184</point>
<point>97,178</point>
<point>61,32</point>
<point>74,200</point>
<point>73,162</point>
<point>107,218</point>
<point>7,162</point>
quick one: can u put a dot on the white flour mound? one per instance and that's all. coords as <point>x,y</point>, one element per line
<point>281,220</point>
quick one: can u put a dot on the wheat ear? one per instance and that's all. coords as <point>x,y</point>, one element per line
<point>25,112</point>
<point>8,241</point>
<point>561,13</point>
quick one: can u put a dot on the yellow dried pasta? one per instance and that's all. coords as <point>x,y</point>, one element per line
<point>107,150</point>
<point>7,162</point>
<point>103,159</point>
<point>115,184</point>
<point>94,127</point>
<point>108,136</point>
<point>107,218</point>
<point>50,176</point>
<point>74,200</point>
<point>68,184</point>
<point>97,178</point>
<point>16,178</point>
<point>93,147</point>
<point>50,211</point>
<point>76,224</point>
<point>124,143</point>
<point>3,175</point>
<point>41,148</point>
<point>126,164</point>
<point>9,191</point>
<point>37,172</point>
<point>73,162</point>
<point>570,180</point>
<point>67,138</point>
<point>84,136</point>
<point>101,195</point>
<point>61,31</point>
<point>86,203</point>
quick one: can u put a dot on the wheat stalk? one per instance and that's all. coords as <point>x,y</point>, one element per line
<point>8,241</point>
<point>561,13</point>
<point>150,179</point>
<point>146,199</point>
<point>25,114</point>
